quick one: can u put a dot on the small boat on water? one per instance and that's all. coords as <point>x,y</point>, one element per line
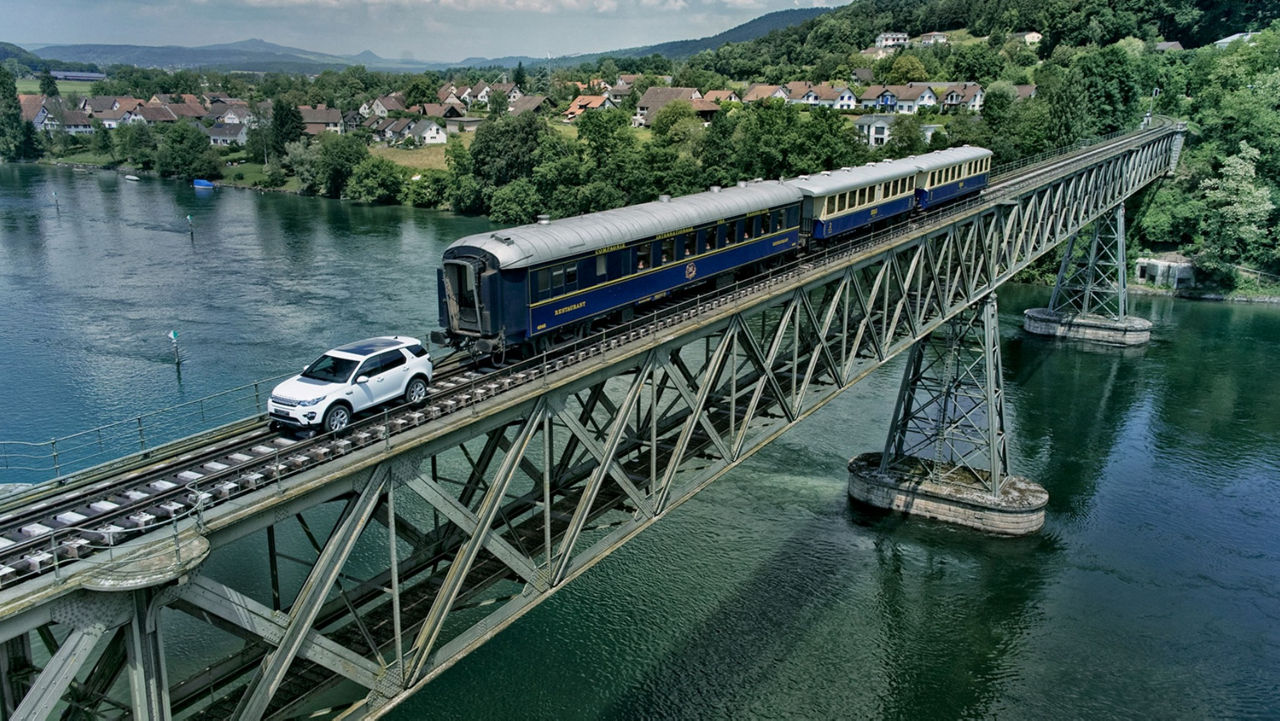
<point>132,177</point>
<point>200,183</point>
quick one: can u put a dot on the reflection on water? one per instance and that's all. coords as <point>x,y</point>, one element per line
<point>1152,590</point>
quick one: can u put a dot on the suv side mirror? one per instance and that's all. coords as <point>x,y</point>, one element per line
<point>362,379</point>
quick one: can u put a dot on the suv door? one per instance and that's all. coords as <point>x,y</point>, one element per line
<point>393,374</point>
<point>365,394</point>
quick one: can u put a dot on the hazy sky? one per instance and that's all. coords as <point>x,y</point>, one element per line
<point>435,30</point>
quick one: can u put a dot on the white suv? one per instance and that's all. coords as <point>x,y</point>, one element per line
<point>349,379</point>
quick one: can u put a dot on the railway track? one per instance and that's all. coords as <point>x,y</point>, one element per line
<point>56,525</point>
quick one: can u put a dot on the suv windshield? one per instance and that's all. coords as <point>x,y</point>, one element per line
<point>330,369</point>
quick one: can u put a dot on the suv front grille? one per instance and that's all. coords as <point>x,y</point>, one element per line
<point>286,402</point>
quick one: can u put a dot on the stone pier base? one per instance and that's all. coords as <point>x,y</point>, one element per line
<point>1126,331</point>
<point>1017,511</point>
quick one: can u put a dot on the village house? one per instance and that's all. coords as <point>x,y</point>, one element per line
<point>907,98</point>
<point>892,40</point>
<point>933,39</point>
<point>438,110</point>
<point>453,126</point>
<point>863,76</point>
<point>384,105</point>
<point>448,95</point>
<point>529,104</point>
<point>721,96</point>
<point>427,132</point>
<point>31,106</point>
<point>224,134</point>
<point>396,129</point>
<point>98,103</point>
<point>656,98</point>
<point>508,89</point>
<point>321,119</point>
<point>167,98</point>
<point>1030,38</point>
<point>1168,47</point>
<point>829,96</point>
<point>759,91</point>
<point>112,119</point>
<point>961,96</point>
<point>584,103</point>
<point>54,115</point>
<point>1224,43</point>
<point>874,128</point>
<point>1025,91</point>
<point>233,115</point>
<point>151,115</point>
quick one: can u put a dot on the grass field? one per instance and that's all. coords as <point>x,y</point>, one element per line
<point>31,86</point>
<point>427,157</point>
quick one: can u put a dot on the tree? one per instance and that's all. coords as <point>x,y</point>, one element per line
<point>497,104</point>
<point>376,180</point>
<point>48,86</point>
<point>906,137</point>
<point>669,116</point>
<point>520,77</point>
<point>185,152</point>
<point>286,125</point>
<point>975,63</point>
<point>1235,227</point>
<point>338,158</point>
<point>11,122</point>
<point>906,69</point>
<point>102,144</point>
<point>516,202</point>
<point>136,144</point>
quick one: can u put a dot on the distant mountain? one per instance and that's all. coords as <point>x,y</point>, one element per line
<point>262,56</point>
<point>35,63</point>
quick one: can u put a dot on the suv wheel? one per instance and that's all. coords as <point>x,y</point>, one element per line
<point>336,418</point>
<point>416,391</point>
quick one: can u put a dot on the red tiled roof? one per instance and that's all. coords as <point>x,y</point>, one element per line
<point>31,105</point>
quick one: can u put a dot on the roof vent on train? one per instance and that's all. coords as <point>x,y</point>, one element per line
<point>757,180</point>
<point>503,238</point>
<point>826,173</point>
<point>544,219</point>
<point>664,198</point>
<point>742,183</point>
<point>715,188</point>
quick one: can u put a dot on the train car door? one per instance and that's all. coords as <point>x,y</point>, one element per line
<point>461,282</point>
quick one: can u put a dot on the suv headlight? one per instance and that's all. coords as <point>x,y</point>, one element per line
<point>312,402</point>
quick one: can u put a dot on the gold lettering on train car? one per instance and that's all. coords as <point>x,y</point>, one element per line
<point>610,249</point>
<point>571,308</point>
<point>673,233</point>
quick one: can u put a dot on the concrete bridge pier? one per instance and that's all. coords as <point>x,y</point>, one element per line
<point>1090,300</point>
<point>945,456</point>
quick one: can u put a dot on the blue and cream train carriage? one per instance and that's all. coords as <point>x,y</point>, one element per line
<point>513,286</point>
<point>529,285</point>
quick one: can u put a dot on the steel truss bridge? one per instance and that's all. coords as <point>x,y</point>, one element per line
<point>427,531</point>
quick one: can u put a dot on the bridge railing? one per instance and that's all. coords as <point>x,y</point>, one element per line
<point>24,462</point>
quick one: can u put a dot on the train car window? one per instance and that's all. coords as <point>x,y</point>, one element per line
<point>766,224</point>
<point>601,269</point>
<point>777,219</point>
<point>831,204</point>
<point>842,201</point>
<point>793,216</point>
<point>557,281</point>
<point>642,256</point>
<point>722,235</point>
<point>668,251</point>
<point>571,276</point>
<point>544,282</point>
<point>690,245</point>
<point>705,236</point>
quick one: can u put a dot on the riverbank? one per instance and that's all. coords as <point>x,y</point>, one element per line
<point>1231,297</point>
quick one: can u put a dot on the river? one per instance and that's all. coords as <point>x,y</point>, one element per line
<point>1153,590</point>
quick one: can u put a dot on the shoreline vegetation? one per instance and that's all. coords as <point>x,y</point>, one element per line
<point>1079,80</point>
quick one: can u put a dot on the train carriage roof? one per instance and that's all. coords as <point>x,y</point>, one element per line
<point>845,179</point>
<point>950,156</point>
<point>538,243</point>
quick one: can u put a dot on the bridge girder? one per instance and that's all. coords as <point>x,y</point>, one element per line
<point>478,520</point>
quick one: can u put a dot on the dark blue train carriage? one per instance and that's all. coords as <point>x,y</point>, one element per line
<point>950,174</point>
<point>841,201</point>
<point>536,283</point>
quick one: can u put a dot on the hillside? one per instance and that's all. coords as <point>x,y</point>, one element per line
<point>262,56</point>
<point>35,63</point>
